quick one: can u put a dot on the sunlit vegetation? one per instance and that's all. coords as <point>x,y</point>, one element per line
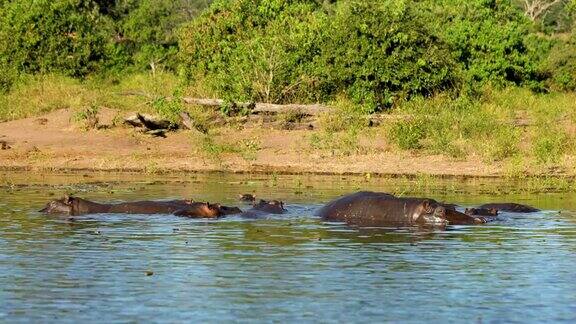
<point>492,80</point>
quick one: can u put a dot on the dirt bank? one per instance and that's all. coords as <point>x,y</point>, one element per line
<point>57,142</point>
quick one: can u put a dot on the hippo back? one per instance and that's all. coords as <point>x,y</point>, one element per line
<point>511,207</point>
<point>373,209</point>
<point>149,207</point>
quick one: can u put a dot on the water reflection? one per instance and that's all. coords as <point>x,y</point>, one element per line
<point>287,268</point>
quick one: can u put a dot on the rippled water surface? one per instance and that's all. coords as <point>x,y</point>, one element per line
<point>289,268</point>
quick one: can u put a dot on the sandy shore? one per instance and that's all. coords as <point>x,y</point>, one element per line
<point>57,142</point>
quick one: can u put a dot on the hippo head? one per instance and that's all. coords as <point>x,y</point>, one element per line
<point>270,206</point>
<point>208,210</point>
<point>247,197</point>
<point>200,210</point>
<point>64,206</point>
<point>431,213</point>
<point>481,211</point>
<point>225,210</point>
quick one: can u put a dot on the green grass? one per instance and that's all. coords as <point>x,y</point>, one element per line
<point>550,143</point>
<point>214,147</point>
<point>453,127</point>
<point>340,129</point>
<point>501,126</point>
<point>87,118</point>
<point>37,95</point>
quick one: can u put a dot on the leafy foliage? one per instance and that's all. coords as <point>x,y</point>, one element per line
<point>374,53</point>
<point>560,64</point>
<point>488,39</point>
<point>47,36</point>
<point>253,50</point>
<point>278,51</point>
<point>81,37</point>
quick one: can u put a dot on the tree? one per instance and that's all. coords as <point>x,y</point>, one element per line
<point>61,35</point>
<point>283,51</point>
<point>147,29</point>
<point>487,39</point>
<point>535,9</point>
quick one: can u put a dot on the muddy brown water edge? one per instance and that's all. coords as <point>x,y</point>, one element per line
<point>293,267</point>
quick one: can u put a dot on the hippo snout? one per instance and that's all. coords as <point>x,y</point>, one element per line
<point>480,220</point>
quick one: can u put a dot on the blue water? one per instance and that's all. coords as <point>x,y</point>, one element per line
<point>289,268</point>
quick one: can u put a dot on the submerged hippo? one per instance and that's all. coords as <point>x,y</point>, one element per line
<point>74,206</point>
<point>511,207</point>
<point>481,212</point>
<point>207,210</point>
<point>368,208</point>
<point>247,197</point>
<point>263,207</point>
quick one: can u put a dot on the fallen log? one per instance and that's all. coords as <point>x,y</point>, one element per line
<point>256,108</point>
<point>150,125</point>
<point>310,110</point>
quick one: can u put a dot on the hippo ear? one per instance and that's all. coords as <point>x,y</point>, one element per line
<point>67,199</point>
<point>427,206</point>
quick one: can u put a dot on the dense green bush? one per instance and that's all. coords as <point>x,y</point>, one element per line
<point>560,64</point>
<point>146,30</point>
<point>373,53</point>
<point>379,51</point>
<point>80,37</point>
<point>488,39</point>
<point>45,36</point>
<point>280,51</point>
<point>254,50</point>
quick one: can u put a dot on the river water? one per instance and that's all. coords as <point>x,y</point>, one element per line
<point>289,268</point>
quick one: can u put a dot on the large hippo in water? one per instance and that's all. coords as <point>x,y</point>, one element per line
<point>368,208</point>
<point>74,206</point>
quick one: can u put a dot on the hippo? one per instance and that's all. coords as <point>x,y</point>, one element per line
<point>455,217</point>
<point>481,212</point>
<point>247,197</point>
<point>207,210</point>
<point>511,207</point>
<point>366,208</point>
<point>263,207</point>
<point>74,206</point>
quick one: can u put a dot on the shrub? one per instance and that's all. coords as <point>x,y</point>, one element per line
<point>381,51</point>
<point>53,36</point>
<point>488,39</point>
<point>550,144</point>
<point>407,135</point>
<point>561,64</point>
<point>252,50</point>
<point>282,51</point>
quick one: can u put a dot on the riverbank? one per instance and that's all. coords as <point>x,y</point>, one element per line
<point>55,123</point>
<point>55,141</point>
